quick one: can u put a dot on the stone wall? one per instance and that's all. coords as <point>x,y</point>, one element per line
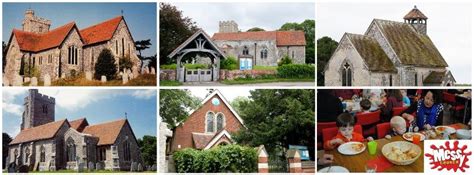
<point>235,49</point>
<point>73,39</point>
<point>296,53</point>
<point>34,114</point>
<point>233,74</point>
<point>126,135</point>
<point>168,74</point>
<point>85,147</point>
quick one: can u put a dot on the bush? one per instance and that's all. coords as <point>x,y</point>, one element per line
<point>105,65</point>
<point>229,158</point>
<point>285,60</point>
<point>125,62</point>
<point>230,63</point>
<point>188,66</point>
<point>296,71</point>
<point>168,66</point>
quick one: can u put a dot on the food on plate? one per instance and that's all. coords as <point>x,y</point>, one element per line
<point>408,136</point>
<point>357,147</point>
<point>396,153</point>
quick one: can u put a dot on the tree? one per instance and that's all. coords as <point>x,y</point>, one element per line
<point>278,118</point>
<point>105,65</point>
<point>142,45</point>
<point>236,103</point>
<point>174,29</point>
<point>4,54</point>
<point>326,47</point>
<point>255,29</point>
<point>6,139</point>
<point>148,149</point>
<point>175,104</point>
<point>308,26</point>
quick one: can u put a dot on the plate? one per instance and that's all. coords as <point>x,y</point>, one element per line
<point>409,136</point>
<point>351,148</point>
<point>334,169</point>
<point>440,129</point>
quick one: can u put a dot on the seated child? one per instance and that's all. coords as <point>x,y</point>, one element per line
<point>398,125</point>
<point>345,123</point>
<point>365,106</point>
<point>406,100</point>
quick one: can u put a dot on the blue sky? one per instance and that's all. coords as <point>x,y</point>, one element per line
<point>97,105</point>
<point>140,17</point>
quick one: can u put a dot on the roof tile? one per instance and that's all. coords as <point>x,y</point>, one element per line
<point>282,38</point>
<point>106,132</point>
<point>41,132</point>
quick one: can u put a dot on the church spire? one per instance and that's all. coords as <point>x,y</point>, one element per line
<point>416,19</point>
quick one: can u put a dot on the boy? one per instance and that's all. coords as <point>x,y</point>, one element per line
<point>365,106</point>
<point>398,125</point>
<point>345,123</point>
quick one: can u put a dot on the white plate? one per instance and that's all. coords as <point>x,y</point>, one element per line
<point>450,130</point>
<point>334,169</point>
<point>347,149</point>
<point>422,137</point>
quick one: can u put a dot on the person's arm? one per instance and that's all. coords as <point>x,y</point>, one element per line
<point>410,110</point>
<point>439,119</point>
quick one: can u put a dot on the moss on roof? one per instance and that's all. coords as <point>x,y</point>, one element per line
<point>411,47</point>
<point>373,55</point>
<point>434,77</point>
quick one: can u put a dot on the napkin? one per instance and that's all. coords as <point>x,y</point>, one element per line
<point>381,162</point>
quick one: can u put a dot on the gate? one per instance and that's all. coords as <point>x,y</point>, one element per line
<point>198,75</point>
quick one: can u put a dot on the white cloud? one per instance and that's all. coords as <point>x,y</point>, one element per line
<point>8,104</point>
<point>144,94</point>
<point>78,98</point>
<point>12,108</point>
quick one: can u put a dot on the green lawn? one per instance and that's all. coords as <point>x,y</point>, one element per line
<point>170,83</point>
<point>265,67</point>
<point>263,80</point>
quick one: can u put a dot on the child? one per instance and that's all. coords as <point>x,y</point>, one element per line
<point>406,100</point>
<point>365,106</point>
<point>398,125</point>
<point>345,123</point>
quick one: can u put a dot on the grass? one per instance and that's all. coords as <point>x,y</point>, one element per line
<point>188,66</point>
<point>265,67</point>
<point>141,80</point>
<point>170,83</point>
<point>263,80</point>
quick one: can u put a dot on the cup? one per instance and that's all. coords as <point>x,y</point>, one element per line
<point>372,147</point>
<point>416,139</point>
<point>371,168</point>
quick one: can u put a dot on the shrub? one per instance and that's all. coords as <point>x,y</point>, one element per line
<point>73,73</point>
<point>168,66</point>
<point>229,158</point>
<point>296,71</point>
<point>230,63</point>
<point>285,60</point>
<point>105,65</point>
<point>125,62</point>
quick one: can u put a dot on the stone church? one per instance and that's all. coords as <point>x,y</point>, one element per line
<point>390,53</point>
<point>208,126</point>
<point>66,50</point>
<point>44,144</point>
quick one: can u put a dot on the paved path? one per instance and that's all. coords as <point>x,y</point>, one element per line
<point>305,84</point>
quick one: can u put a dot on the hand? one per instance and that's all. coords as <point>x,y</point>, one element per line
<point>326,159</point>
<point>336,141</point>
<point>409,117</point>
<point>370,138</point>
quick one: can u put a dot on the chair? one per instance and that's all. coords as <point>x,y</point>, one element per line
<point>397,111</point>
<point>383,129</point>
<point>330,133</point>
<point>321,126</point>
<point>368,122</point>
<point>455,106</point>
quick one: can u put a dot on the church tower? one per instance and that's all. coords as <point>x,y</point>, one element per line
<point>416,19</point>
<point>228,27</point>
<point>35,24</point>
<point>39,109</point>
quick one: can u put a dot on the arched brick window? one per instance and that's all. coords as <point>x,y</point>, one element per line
<point>220,121</point>
<point>210,119</point>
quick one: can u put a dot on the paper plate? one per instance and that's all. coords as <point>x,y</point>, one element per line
<point>351,148</point>
<point>334,169</point>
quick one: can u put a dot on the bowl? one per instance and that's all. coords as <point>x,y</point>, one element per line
<point>463,134</point>
<point>401,152</point>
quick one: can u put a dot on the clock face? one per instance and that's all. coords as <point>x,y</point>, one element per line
<point>215,101</point>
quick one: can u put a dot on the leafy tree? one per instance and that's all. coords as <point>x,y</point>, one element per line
<point>255,29</point>
<point>6,139</point>
<point>326,47</point>
<point>148,149</point>
<point>142,45</point>
<point>236,103</point>
<point>125,62</point>
<point>278,118</point>
<point>308,26</point>
<point>105,65</point>
<point>174,29</point>
<point>175,104</point>
<point>285,60</point>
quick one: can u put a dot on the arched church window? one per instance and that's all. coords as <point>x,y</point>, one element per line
<point>264,53</point>
<point>220,121</point>
<point>126,150</point>
<point>210,122</point>
<point>27,154</point>
<point>42,154</point>
<point>72,55</point>
<point>346,75</point>
<point>15,152</point>
<point>245,51</point>
<point>70,150</point>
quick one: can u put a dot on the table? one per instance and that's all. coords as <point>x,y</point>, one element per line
<point>453,136</point>
<point>356,163</point>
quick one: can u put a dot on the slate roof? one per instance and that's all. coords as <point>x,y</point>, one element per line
<point>46,131</point>
<point>373,55</point>
<point>411,47</point>
<point>106,132</point>
<point>283,38</point>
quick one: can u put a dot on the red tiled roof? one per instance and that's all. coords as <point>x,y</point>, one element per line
<point>202,139</point>
<point>79,124</point>
<point>34,42</point>
<point>415,14</point>
<point>106,132</point>
<point>41,132</point>
<point>101,32</point>
<point>283,38</point>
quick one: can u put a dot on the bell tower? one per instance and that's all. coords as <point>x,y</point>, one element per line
<point>417,19</point>
<point>39,109</point>
<point>35,24</point>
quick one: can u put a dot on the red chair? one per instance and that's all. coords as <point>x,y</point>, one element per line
<point>455,106</point>
<point>330,133</point>
<point>397,111</point>
<point>321,126</point>
<point>368,122</point>
<point>383,129</point>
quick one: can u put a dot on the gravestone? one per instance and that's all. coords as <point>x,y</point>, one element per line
<point>103,79</point>
<point>47,80</point>
<point>98,166</point>
<point>133,167</point>
<point>135,71</point>
<point>124,78</point>
<point>146,70</point>
<point>11,168</point>
<point>23,169</point>
<point>18,81</point>
<point>153,168</point>
<point>152,71</point>
<point>90,167</point>
<point>89,75</point>
<point>140,167</point>
<point>27,79</point>
<point>34,81</point>
<point>63,75</point>
<point>81,167</point>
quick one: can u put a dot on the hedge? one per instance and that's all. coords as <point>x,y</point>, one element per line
<point>188,66</point>
<point>228,158</point>
<point>295,71</point>
<point>230,63</point>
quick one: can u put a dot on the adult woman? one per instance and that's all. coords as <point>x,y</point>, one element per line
<point>394,99</point>
<point>428,110</point>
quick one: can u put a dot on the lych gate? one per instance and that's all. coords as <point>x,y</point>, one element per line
<point>201,44</point>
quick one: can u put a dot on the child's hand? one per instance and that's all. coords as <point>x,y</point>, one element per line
<point>388,136</point>
<point>427,126</point>
<point>370,138</point>
<point>336,142</point>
